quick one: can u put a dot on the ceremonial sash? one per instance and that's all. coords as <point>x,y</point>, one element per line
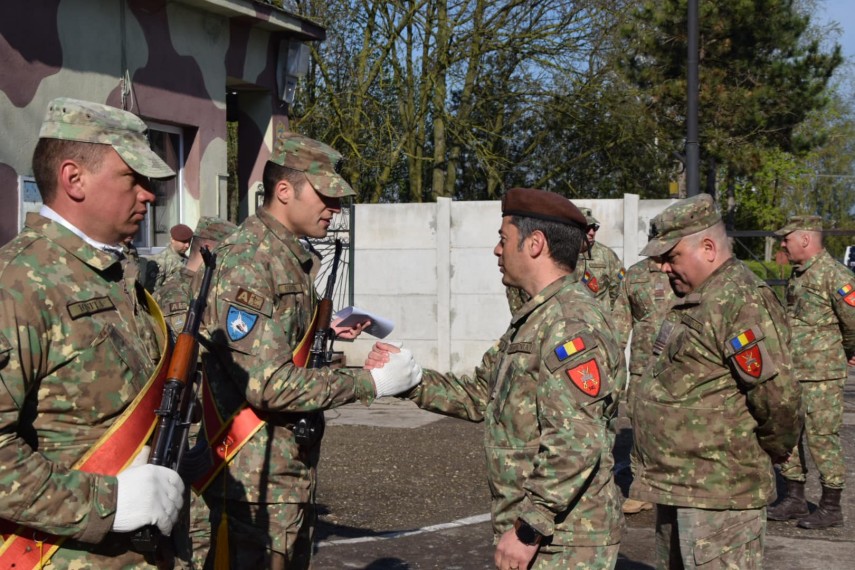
<point>227,437</point>
<point>24,548</point>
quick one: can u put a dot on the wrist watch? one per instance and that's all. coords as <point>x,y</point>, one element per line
<point>526,533</point>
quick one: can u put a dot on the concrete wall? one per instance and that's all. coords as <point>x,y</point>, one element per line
<point>430,268</point>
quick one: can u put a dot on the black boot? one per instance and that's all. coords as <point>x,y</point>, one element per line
<point>792,506</point>
<point>828,513</point>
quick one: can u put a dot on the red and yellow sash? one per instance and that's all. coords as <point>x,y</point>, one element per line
<point>228,437</point>
<point>24,548</point>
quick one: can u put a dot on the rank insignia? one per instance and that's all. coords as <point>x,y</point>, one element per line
<point>586,377</point>
<point>848,294</point>
<point>239,323</point>
<point>750,361</point>
<point>570,348</point>
<point>742,340</point>
<point>591,281</point>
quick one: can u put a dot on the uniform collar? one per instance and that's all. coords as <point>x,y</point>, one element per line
<point>569,281</point>
<point>88,251</point>
<point>283,234</point>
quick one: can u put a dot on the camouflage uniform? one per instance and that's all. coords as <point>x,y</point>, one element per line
<point>262,303</point>
<point>517,297</point>
<point>174,298</point>
<point>76,346</point>
<point>169,262</point>
<point>548,442</point>
<point>820,312</point>
<point>716,403</point>
<point>602,272</point>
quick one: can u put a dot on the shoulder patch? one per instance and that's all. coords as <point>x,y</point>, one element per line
<point>239,323</point>
<point>590,281</point>
<point>847,293</point>
<point>178,307</point>
<point>90,307</point>
<point>249,299</point>
<point>750,357</point>
<point>569,348</point>
<point>586,377</point>
<point>621,274</point>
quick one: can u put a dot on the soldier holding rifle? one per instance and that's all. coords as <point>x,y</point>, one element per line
<point>267,448</point>
<point>80,343</point>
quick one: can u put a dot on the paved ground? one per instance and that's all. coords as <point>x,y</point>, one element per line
<point>405,489</point>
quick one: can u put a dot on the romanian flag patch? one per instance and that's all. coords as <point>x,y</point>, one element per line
<point>570,348</point>
<point>848,294</point>
<point>743,340</point>
<point>591,281</point>
<point>621,274</point>
<point>586,377</point>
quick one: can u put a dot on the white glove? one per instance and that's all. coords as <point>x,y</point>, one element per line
<point>148,494</point>
<point>398,375</point>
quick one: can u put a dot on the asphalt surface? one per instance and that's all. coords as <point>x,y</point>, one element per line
<point>401,488</point>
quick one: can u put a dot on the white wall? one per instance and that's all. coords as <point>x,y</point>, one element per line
<point>430,268</point>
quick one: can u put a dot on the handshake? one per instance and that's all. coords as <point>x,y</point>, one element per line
<point>393,368</point>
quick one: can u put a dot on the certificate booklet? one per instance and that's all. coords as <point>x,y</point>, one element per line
<point>352,316</point>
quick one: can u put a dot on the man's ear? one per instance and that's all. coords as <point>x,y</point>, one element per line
<point>709,249</point>
<point>283,191</point>
<point>70,180</point>
<point>536,243</point>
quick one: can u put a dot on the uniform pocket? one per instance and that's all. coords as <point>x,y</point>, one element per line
<point>729,539</point>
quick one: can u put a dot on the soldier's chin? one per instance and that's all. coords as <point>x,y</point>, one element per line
<point>679,288</point>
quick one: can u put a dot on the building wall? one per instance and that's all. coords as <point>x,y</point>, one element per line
<point>430,268</point>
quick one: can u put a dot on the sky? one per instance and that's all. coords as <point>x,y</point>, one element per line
<point>842,11</point>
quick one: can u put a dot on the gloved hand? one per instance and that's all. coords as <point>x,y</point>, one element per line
<point>398,375</point>
<point>148,494</point>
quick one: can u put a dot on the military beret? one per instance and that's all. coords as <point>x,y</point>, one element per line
<point>180,232</point>
<point>543,205</point>
<point>805,223</point>
<point>681,219</point>
<point>589,217</point>
<point>213,228</point>
<point>314,159</point>
<point>82,121</point>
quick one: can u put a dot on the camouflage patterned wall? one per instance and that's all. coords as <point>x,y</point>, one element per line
<point>180,56</point>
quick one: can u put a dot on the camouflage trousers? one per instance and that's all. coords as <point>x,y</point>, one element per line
<point>688,538</point>
<point>576,558</point>
<point>265,536</point>
<point>822,404</point>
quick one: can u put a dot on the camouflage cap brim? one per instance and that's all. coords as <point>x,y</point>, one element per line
<point>329,184</point>
<point>656,247</point>
<point>144,161</point>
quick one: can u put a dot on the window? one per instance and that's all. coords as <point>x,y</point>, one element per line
<point>29,198</point>
<point>168,142</point>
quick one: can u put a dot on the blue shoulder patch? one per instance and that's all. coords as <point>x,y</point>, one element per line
<point>239,323</point>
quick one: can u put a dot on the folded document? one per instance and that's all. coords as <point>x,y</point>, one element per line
<point>352,316</point>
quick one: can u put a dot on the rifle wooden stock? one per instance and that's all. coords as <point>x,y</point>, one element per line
<point>321,352</point>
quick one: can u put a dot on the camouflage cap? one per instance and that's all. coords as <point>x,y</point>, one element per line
<point>805,223</point>
<point>681,219</point>
<point>589,217</point>
<point>83,121</point>
<point>314,159</point>
<point>214,229</point>
<point>543,205</point>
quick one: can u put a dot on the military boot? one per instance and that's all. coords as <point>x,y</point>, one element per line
<point>828,513</point>
<point>792,506</point>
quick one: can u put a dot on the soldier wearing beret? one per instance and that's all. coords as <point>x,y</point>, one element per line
<point>547,391</point>
<point>80,342</point>
<point>601,270</point>
<point>821,313</point>
<point>172,259</point>
<point>261,306</point>
<point>718,404</point>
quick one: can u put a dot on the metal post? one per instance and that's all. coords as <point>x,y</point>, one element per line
<point>692,84</point>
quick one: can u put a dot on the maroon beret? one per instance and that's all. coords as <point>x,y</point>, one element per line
<point>542,204</point>
<point>180,232</point>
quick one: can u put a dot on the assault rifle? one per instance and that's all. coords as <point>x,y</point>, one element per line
<point>178,403</point>
<point>310,428</point>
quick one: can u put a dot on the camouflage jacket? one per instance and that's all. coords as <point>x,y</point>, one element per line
<point>517,297</point>
<point>644,298</point>
<point>719,399</point>
<point>821,310</point>
<point>168,263</point>
<point>261,306</point>
<point>602,272</point>
<point>548,391</point>
<point>76,347</point>
<point>175,296</point>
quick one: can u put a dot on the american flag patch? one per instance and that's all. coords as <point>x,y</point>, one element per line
<point>569,348</point>
<point>742,340</point>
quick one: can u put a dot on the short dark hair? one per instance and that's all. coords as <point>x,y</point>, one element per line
<point>273,173</point>
<point>564,240</point>
<point>48,155</point>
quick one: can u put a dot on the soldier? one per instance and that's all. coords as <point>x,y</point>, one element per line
<point>172,259</point>
<point>261,307</point>
<point>821,313</point>
<point>548,391</point>
<point>718,404</point>
<point>602,271</point>
<point>79,346</point>
<point>643,300</point>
